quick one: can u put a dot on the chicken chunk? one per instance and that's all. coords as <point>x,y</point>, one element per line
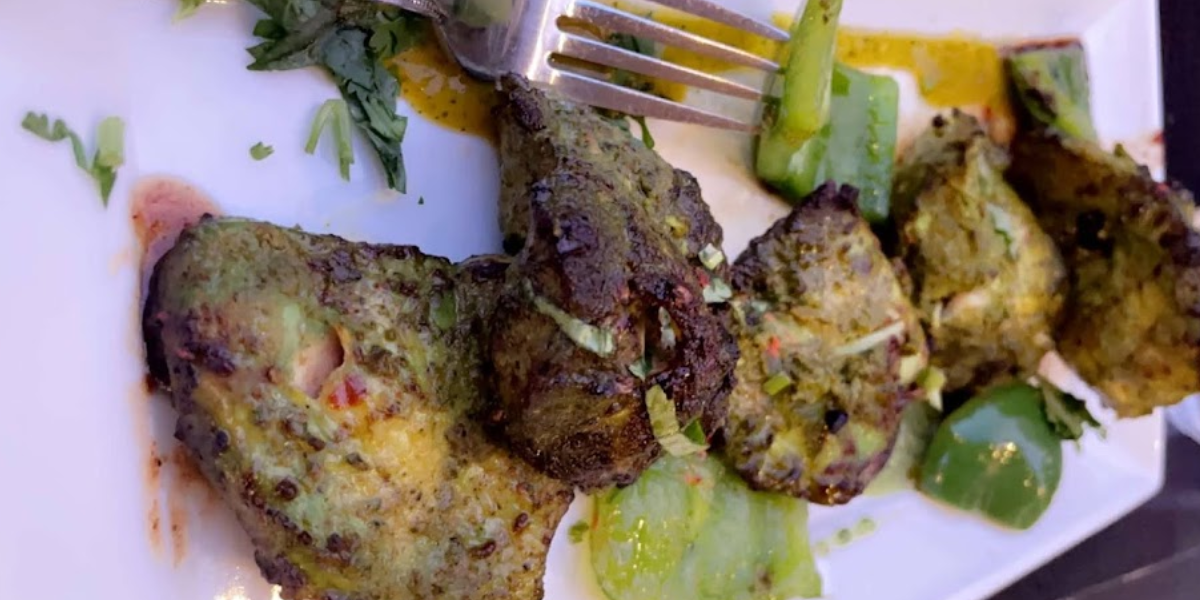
<point>989,281</point>
<point>830,345</point>
<point>1133,314</point>
<point>606,299</point>
<point>324,388</point>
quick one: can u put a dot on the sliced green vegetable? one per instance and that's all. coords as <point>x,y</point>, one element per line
<point>350,39</point>
<point>997,455</point>
<point>597,340</point>
<point>691,528</point>
<point>1068,415</point>
<point>110,147</point>
<point>665,424</point>
<point>857,146</point>
<point>335,116</point>
<point>918,423</point>
<point>804,106</point>
<point>260,151</point>
<point>1050,85</point>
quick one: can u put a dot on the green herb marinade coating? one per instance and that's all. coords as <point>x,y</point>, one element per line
<point>824,327</point>
<point>326,389</point>
<point>989,282</point>
<point>605,299</point>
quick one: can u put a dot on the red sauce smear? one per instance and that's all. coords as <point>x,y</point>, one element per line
<point>349,392</point>
<point>161,208</point>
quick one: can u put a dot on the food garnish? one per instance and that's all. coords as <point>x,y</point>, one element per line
<point>1068,415</point>
<point>261,151</point>
<point>664,422</point>
<point>578,532</point>
<point>597,340</point>
<point>334,116</point>
<point>350,39</point>
<point>110,147</point>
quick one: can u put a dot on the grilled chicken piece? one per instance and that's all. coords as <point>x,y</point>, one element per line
<point>1133,315</point>
<point>606,298</point>
<point>324,388</point>
<point>830,349</point>
<point>989,281</point>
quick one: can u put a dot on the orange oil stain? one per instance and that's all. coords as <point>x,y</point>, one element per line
<point>437,88</point>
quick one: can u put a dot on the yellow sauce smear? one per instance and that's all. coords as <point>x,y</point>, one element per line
<point>950,71</point>
<point>437,88</point>
<point>954,71</point>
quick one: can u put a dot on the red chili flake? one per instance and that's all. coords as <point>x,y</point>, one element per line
<point>349,392</point>
<point>773,346</point>
<point>703,276</point>
<point>692,479</point>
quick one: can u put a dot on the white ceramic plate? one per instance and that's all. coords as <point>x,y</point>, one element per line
<point>86,512</point>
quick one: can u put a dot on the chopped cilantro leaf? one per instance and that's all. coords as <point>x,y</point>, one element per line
<point>717,291</point>
<point>711,257</point>
<point>597,340</point>
<point>1068,415</point>
<point>640,369</point>
<point>647,139</point>
<point>260,151</point>
<point>335,116</point>
<point>351,39</point>
<point>665,425</point>
<point>110,147</point>
<point>577,531</point>
<point>777,383</point>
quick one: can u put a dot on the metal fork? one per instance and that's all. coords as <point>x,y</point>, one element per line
<point>490,38</point>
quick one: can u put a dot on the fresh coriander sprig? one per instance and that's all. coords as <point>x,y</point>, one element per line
<point>110,147</point>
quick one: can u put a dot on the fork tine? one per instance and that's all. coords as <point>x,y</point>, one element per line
<point>716,12</point>
<point>603,94</point>
<point>611,56</point>
<point>612,19</point>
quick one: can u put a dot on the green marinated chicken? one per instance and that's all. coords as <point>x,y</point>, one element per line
<point>1133,315</point>
<point>607,299</point>
<point>989,281</point>
<point>831,347</point>
<point>324,388</point>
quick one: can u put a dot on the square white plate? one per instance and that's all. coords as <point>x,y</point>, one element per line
<point>88,511</point>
